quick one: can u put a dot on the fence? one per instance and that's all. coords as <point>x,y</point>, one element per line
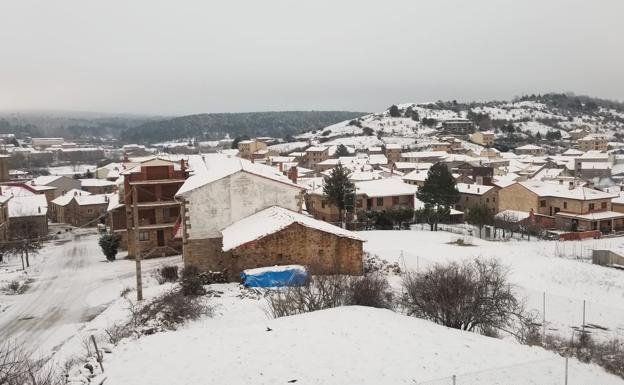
<point>561,315</point>
<point>549,371</point>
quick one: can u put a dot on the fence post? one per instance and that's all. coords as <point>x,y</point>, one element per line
<point>583,326</point>
<point>455,378</point>
<point>566,371</point>
<point>544,314</point>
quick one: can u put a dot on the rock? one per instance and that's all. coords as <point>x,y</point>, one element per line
<point>89,367</point>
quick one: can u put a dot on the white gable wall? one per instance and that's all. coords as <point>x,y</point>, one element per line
<point>219,204</point>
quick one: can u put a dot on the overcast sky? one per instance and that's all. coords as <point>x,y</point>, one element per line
<point>179,57</point>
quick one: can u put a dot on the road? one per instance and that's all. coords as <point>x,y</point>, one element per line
<point>73,284</point>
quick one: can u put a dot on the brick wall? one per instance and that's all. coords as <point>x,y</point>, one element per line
<point>321,252</point>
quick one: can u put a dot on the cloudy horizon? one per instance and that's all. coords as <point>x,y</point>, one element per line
<point>173,58</point>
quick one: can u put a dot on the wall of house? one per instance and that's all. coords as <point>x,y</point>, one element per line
<point>324,212</point>
<point>489,199</point>
<point>213,207</point>
<point>516,197</point>
<point>321,252</point>
<point>31,226</point>
<point>63,185</point>
<point>85,215</point>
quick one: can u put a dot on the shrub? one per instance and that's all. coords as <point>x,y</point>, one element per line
<point>370,290</point>
<point>329,291</point>
<point>167,273</point>
<point>191,282</point>
<point>472,296</point>
<point>18,367</point>
<point>394,111</point>
<point>110,244</point>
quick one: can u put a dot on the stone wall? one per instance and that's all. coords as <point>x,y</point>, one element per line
<point>321,252</point>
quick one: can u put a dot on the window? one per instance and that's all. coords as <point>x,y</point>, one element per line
<point>542,203</point>
<point>143,236</point>
<point>557,210</point>
<point>565,205</point>
<point>322,204</point>
<point>592,206</point>
<point>487,200</point>
<point>395,200</point>
<point>89,211</point>
<point>493,199</point>
<point>379,201</point>
<point>603,205</point>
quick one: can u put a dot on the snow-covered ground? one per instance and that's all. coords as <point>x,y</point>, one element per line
<point>72,285</point>
<point>537,268</point>
<point>349,345</point>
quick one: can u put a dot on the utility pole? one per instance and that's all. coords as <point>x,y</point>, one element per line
<point>137,242</point>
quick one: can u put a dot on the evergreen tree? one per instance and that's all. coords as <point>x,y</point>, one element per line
<point>238,139</point>
<point>438,193</point>
<point>342,150</point>
<point>109,244</point>
<point>480,216</point>
<point>394,111</point>
<point>338,189</point>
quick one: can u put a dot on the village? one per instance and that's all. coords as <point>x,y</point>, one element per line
<point>232,207</point>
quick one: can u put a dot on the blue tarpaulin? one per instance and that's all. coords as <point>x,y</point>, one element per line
<point>276,276</point>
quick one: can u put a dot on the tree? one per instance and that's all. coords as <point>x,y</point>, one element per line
<point>342,150</point>
<point>394,111</point>
<point>480,216</point>
<point>338,189</point>
<point>88,174</point>
<point>24,241</point>
<point>439,193</point>
<point>473,296</point>
<point>368,131</point>
<point>553,135</point>
<point>238,139</point>
<point>110,244</point>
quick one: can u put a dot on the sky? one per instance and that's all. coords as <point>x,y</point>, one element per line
<point>193,56</point>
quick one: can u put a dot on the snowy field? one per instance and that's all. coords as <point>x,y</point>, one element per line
<point>535,268</point>
<point>348,345</point>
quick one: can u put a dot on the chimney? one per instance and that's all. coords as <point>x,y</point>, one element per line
<point>182,165</point>
<point>293,174</point>
<point>39,209</point>
<point>125,157</point>
<point>281,167</point>
<point>477,190</point>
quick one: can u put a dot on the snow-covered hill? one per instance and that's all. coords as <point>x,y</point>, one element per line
<point>528,120</point>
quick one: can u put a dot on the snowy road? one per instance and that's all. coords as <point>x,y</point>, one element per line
<point>73,284</point>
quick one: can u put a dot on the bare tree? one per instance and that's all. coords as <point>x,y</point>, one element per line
<point>474,296</point>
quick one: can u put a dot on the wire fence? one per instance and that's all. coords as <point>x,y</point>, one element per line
<point>549,371</point>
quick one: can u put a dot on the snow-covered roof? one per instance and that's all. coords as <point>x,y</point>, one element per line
<point>113,202</point>
<point>64,199</point>
<point>595,165</point>
<point>272,220</point>
<point>385,187</point>
<point>424,154</point>
<point>27,206</point>
<point>217,166</point>
<point>92,182</point>
<point>596,216</point>
<point>543,189</point>
<point>97,199</point>
<point>512,215</point>
<point>316,149</point>
<point>529,147</point>
<point>572,152</point>
<point>416,175</point>
<point>475,189</point>
<point>45,179</point>
<point>412,165</point>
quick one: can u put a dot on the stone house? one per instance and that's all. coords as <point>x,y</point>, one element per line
<point>423,156</point>
<point>314,155</point>
<point>574,208</point>
<point>62,184</point>
<point>393,152</point>
<point>247,148</point>
<point>240,215</point>
<point>277,236</point>
<point>458,126</point>
<point>593,143</point>
<point>471,195</point>
<point>86,210</point>
<point>57,206</point>
<point>530,149</point>
<point>28,216</point>
<point>484,138</point>
<point>375,195</point>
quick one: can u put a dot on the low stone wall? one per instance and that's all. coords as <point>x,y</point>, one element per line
<point>607,258</point>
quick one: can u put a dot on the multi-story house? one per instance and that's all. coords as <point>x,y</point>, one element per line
<point>393,153</point>
<point>314,155</point>
<point>572,207</point>
<point>593,142</point>
<point>530,149</point>
<point>471,195</point>
<point>152,212</point>
<point>484,138</point>
<point>458,126</point>
<point>247,148</point>
<point>86,210</point>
